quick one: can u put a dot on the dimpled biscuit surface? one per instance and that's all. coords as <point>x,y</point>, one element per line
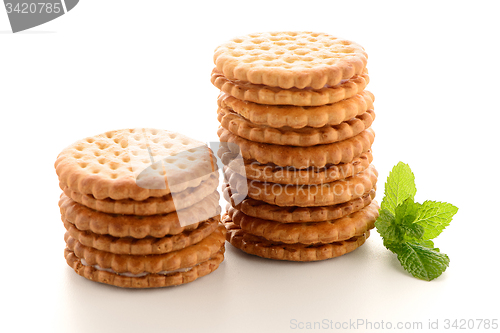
<point>290,59</point>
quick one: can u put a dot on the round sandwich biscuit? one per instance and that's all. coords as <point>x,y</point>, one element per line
<point>155,263</point>
<point>150,206</point>
<point>301,137</point>
<point>278,116</point>
<point>137,226</point>
<point>323,232</point>
<point>148,280</point>
<point>254,170</point>
<point>290,59</point>
<point>299,157</point>
<point>256,93</point>
<point>294,214</point>
<point>261,247</point>
<point>134,164</point>
<point>143,246</point>
<point>305,195</point>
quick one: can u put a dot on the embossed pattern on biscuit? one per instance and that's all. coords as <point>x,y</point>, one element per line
<point>290,59</point>
<point>134,164</point>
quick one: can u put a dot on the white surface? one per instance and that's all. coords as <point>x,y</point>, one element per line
<point>106,65</point>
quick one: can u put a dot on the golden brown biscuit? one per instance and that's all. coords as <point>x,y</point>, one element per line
<point>323,232</point>
<point>256,93</point>
<point>137,226</point>
<point>151,280</point>
<point>293,252</point>
<point>290,59</point>
<point>306,195</point>
<point>299,157</point>
<point>151,206</point>
<point>282,175</point>
<point>295,214</point>
<point>134,164</point>
<point>299,116</point>
<point>155,263</point>
<point>302,137</point>
<point>143,246</point>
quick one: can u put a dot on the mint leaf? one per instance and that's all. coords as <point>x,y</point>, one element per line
<point>387,228</point>
<point>423,262</point>
<point>407,227</point>
<point>434,216</point>
<point>384,222</point>
<point>413,231</point>
<point>400,185</point>
<point>398,228</point>
<point>427,243</point>
<point>406,212</point>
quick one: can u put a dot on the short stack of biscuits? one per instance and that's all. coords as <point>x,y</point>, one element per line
<point>141,208</point>
<point>296,144</point>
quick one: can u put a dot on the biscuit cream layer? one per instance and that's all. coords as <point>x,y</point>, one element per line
<point>128,274</point>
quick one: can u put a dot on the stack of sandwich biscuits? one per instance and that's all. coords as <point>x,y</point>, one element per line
<point>141,208</point>
<point>295,131</point>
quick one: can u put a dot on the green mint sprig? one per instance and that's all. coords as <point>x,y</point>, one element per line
<point>407,227</point>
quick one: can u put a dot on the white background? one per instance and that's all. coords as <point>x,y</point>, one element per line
<point>113,64</point>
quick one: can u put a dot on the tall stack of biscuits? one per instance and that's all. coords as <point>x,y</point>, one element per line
<point>141,208</point>
<point>296,144</point>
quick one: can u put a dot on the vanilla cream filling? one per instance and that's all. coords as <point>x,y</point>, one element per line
<point>128,274</point>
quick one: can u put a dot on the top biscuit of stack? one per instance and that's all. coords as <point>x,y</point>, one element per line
<point>290,59</point>
<point>134,164</point>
